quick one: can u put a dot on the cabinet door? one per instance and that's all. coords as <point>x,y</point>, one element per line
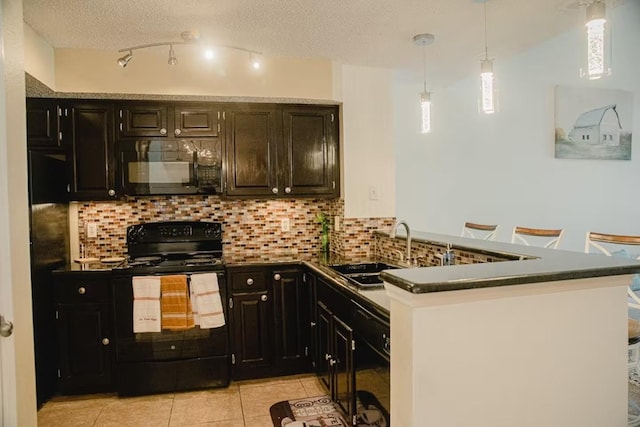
<point>86,356</point>
<point>251,151</point>
<point>42,122</point>
<point>344,378</point>
<point>291,319</point>
<point>310,158</point>
<point>196,120</point>
<point>143,120</point>
<point>88,135</point>
<point>252,344</point>
<point>324,344</point>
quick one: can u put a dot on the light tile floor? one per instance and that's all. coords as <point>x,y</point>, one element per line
<point>242,404</point>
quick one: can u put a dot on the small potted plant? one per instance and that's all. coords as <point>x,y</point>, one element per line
<point>324,238</point>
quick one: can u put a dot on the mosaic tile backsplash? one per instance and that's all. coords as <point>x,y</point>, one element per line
<point>250,227</point>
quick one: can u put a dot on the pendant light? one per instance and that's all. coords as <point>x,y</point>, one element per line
<point>487,102</point>
<point>596,56</point>
<point>425,97</point>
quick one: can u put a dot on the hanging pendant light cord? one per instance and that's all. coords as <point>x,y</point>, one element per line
<point>424,67</point>
<point>486,54</point>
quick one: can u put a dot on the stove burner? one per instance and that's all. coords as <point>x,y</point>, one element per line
<point>148,259</point>
<point>199,261</point>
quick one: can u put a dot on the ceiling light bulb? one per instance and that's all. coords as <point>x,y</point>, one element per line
<point>209,54</point>
<point>425,106</point>
<point>255,64</point>
<point>172,56</point>
<point>487,87</point>
<point>124,61</point>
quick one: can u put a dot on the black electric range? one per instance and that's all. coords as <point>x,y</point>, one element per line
<point>167,361</point>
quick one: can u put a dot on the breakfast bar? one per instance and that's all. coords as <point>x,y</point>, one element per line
<point>539,340</point>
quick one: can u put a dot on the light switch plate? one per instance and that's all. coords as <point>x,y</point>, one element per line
<point>285,225</point>
<point>373,192</point>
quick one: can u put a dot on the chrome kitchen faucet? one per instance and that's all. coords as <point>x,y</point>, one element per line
<point>392,235</point>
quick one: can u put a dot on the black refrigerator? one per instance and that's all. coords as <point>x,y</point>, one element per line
<point>49,242</point>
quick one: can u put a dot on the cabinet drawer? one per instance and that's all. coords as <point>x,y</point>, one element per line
<point>250,280</point>
<point>73,291</point>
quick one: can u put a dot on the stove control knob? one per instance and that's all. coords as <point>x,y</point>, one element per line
<point>249,281</point>
<point>276,276</point>
<point>82,290</point>
<point>105,341</point>
<point>263,298</point>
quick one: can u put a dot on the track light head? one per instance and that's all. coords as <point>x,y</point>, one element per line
<point>124,61</point>
<point>172,56</point>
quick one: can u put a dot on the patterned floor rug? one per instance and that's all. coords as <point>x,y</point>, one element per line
<point>322,412</point>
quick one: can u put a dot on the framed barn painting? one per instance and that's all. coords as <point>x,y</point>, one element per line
<point>593,123</point>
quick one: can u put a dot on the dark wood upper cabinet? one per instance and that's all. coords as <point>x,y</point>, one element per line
<point>310,151</point>
<point>282,151</point>
<point>252,133</point>
<point>143,120</point>
<point>168,120</point>
<point>42,123</point>
<point>196,120</point>
<point>87,133</point>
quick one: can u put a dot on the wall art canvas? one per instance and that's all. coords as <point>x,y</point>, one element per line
<point>593,123</point>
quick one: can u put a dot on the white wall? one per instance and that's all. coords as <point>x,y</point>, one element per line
<point>501,168</point>
<point>39,57</point>
<point>368,151</point>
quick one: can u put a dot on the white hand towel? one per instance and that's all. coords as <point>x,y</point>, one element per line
<point>207,297</point>
<point>146,304</point>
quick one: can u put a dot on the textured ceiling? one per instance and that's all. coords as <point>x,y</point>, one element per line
<point>358,32</point>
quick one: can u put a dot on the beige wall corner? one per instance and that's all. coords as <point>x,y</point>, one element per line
<point>368,145</point>
<point>39,57</point>
<point>86,70</point>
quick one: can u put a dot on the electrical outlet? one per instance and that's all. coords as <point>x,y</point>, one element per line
<point>92,230</point>
<point>373,192</point>
<point>284,225</point>
<point>337,225</point>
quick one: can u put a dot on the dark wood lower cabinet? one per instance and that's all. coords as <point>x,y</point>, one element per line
<point>252,344</point>
<point>85,333</point>
<point>86,362</point>
<point>269,321</point>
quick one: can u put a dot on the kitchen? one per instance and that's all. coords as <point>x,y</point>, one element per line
<point>426,166</point>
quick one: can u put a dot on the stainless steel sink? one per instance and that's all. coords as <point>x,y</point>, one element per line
<point>363,275</point>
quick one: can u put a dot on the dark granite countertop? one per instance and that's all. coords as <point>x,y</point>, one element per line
<point>537,265</point>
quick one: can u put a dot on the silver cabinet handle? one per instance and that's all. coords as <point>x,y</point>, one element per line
<point>274,190</point>
<point>177,131</point>
<point>327,356</point>
<point>105,341</point>
<point>111,192</point>
<point>249,281</point>
<point>277,277</point>
<point>163,131</point>
<point>313,324</point>
<point>332,362</point>
<point>6,327</point>
<point>287,190</point>
<point>263,298</point>
<point>82,290</point>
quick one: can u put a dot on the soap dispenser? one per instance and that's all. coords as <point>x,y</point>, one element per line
<point>448,258</point>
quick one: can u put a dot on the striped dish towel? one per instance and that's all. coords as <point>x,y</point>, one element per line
<point>206,294</point>
<point>146,304</point>
<point>176,306</point>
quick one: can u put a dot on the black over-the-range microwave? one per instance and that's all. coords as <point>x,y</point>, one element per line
<point>169,166</point>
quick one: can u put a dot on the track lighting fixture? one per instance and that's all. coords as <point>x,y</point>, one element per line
<point>425,97</point>
<point>124,61</point>
<point>187,38</point>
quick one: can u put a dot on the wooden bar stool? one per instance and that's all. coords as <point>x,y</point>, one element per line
<point>479,231</point>
<point>555,235</point>
<point>606,243</point>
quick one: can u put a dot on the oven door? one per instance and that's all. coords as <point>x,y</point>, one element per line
<point>166,345</point>
<point>169,166</point>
